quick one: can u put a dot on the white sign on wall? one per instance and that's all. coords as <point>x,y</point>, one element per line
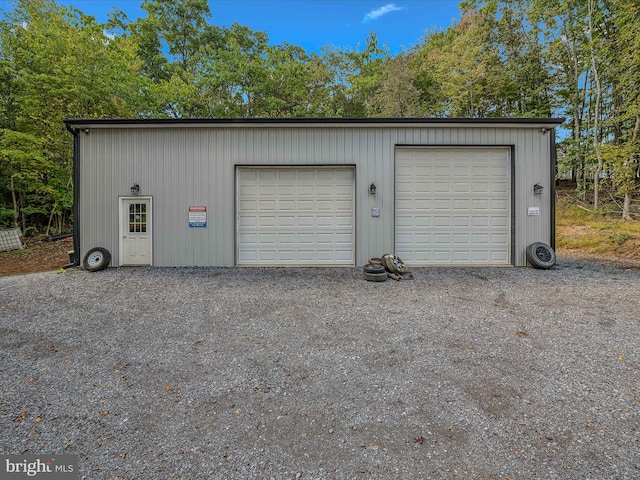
<point>533,211</point>
<point>198,216</point>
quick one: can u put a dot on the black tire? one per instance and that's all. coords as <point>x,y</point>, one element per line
<point>540,255</point>
<point>393,263</point>
<point>372,268</point>
<point>96,259</point>
<point>375,261</point>
<point>375,277</point>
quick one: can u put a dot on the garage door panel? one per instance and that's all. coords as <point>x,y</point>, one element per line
<point>461,221</point>
<point>267,175</point>
<point>501,204</point>
<point>309,175</point>
<point>306,221</point>
<point>442,222</point>
<point>305,215</point>
<point>248,238</point>
<point>461,204</point>
<point>330,191</point>
<point>247,257</point>
<point>343,205</point>
<point>480,239</point>
<point>442,256</point>
<point>248,205</point>
<point>462,187</point>
<point>461,257</point>
<point>423,205</point>
<point>344,222</point>
<point>249,221</point>
<point>461,239</point>
<point>457,210</point>
<point>419,221</point>
<point>286,205</point>
<point>499,239</point>
<point>480,187</point>
<point>267,205</point>
<point>266,221</point>
<point>481,256</point>
<point>286,221</point>
<point>481,172</point>
<point>325,205</point>
<point>306,239</point>
<point>325,221</point>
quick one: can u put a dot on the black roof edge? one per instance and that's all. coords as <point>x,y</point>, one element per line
<point>267,121</point>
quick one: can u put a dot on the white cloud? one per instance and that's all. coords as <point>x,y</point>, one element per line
<point>374,14</point>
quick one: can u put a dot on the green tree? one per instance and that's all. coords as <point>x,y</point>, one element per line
<point>621,156</point>
<point>60,63</point>
<point>465,65</point>
<point>175,42</point>
<point>397,95</point>
<point>23,168</point>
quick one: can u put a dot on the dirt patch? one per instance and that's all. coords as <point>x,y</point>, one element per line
<point>39,255</point>
<point>631,262</point>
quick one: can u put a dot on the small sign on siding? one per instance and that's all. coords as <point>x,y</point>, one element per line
<point>533,211</point>
<point>198,216</point>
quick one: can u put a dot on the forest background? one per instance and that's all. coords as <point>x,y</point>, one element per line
<point>576,59</point>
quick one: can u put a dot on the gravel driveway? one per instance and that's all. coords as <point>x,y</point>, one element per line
<point>206,373</point>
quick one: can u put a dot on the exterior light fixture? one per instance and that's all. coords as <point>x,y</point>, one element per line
<point>135,189</point>
<point>372,188</point>
<point>537,189</point>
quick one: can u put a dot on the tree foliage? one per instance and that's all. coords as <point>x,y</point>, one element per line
<point>577,59</point>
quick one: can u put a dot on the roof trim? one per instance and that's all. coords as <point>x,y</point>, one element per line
<point>308,122</point>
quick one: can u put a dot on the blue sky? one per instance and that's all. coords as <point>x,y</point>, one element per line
<point>314,23</point>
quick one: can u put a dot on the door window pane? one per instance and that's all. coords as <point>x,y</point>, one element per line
<point>137,218</point>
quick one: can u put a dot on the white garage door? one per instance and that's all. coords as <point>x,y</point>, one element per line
<point>295,215</point>
<point>453,206</point>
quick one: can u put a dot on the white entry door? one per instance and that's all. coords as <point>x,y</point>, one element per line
<point>135,231</point>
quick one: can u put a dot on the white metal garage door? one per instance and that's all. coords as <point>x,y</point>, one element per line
<point>453,205</point>
<point>295,215</point>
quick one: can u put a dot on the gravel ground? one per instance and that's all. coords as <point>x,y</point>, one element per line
<point>205,373</point>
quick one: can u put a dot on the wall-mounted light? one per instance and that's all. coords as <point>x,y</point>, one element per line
<point>372,188</point>
<point>544,130</point>
<point>86,130</point>
<point>135,189</point>
<point>537,189</point>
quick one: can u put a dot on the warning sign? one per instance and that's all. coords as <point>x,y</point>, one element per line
<point>197,216</point>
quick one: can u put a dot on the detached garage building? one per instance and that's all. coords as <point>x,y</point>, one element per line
<point>334,192</point>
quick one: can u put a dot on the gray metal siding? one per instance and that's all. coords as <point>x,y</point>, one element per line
<point>194,165</point>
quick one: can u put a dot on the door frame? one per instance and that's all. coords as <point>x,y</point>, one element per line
<point>121,222</point>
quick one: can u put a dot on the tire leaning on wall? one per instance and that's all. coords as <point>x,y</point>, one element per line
<point>96,259</point>
<point>540,255</point>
